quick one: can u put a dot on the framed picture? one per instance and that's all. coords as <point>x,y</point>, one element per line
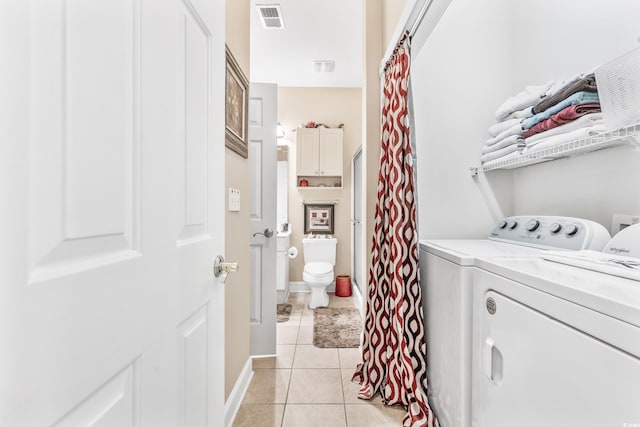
<point>318,218</point>
<point>236,108</point>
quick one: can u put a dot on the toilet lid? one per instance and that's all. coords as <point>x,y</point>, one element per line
<point>318,268</point>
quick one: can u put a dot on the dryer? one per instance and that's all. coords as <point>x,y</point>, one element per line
<point>554,345</point>
<point>446,270</point>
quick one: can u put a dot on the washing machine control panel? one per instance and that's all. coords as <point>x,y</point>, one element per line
<point>551,232</point>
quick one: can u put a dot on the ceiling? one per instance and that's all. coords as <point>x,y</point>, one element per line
<point>313,30</point>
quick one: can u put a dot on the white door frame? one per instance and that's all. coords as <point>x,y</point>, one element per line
<point>357,293</point>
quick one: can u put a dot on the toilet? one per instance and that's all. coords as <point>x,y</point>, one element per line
<point>319,259</point>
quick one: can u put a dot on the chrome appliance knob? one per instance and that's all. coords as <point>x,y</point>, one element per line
<point>502,224</point>
<point>513,224</point>
<point>555,228</point>
<point>532,225</point>
<point>571,230</point>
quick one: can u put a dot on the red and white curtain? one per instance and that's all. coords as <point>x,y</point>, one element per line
<point>393,346</point>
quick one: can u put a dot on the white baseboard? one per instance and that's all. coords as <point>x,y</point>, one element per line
<point>302,287</point>
<point>237,394</point>
<point>298,287</point>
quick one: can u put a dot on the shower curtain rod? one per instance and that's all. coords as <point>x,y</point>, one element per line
<point>412,21</point>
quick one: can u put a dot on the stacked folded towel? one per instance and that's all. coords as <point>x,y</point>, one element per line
<point>570,112</point>
<point>549,113</point>
<point>506,135</point>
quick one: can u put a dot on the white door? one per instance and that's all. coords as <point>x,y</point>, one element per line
<point>111,213</point>
<point>357,232</point>
<point>263,105</point>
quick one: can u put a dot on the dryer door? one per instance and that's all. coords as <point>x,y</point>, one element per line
<point>537,371</point>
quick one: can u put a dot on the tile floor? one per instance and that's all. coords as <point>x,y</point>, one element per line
<point>305,386</point>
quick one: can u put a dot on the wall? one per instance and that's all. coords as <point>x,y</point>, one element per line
<point>480,54</point>
<point>330,106</point>
<point>237,333</point>
<point>458,81</point>
<point>596,185</point>
<point>380,20</point>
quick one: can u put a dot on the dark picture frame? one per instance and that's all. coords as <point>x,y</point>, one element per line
<point>236,122</point>
<point>318,218</point>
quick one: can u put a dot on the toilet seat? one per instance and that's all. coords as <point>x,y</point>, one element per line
<point>318,268</point>
<point>318,272</point>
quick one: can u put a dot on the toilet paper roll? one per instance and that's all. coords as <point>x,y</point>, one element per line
<point>292,252</point>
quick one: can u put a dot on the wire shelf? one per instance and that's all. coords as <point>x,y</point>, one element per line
<point>609,139</point>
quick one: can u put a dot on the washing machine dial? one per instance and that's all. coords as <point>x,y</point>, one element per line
<point>571,230</point>
<point>532,225</point>
<point>555,228</point>
<point>502,224</point>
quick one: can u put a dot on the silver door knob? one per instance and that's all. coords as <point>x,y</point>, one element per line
<point>268,232</point>
<point>221,267</point>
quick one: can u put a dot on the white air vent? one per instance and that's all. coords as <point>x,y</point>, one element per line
<point>324,66</point>
<point>271,16</point>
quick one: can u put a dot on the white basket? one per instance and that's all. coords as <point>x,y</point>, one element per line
<point>619,90</point>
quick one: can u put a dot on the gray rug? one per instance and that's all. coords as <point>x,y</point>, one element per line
<point>284,311</point>
<point>336,327</point>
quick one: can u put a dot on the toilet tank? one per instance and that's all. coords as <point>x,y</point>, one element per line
<point>319,250</point>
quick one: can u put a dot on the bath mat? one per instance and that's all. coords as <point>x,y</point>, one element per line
<point>284,311</point>
<point>338,327</point>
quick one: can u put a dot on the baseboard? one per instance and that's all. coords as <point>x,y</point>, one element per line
<point>302,287</point>
<point>234,401</point>
<point>298,287</point>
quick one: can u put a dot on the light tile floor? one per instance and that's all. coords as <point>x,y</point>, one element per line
<point>305,386</point>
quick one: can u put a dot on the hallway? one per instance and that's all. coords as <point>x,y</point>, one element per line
<point>309,386</point>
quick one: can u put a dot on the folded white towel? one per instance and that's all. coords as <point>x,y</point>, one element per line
<point>525,113</point>
<point>513,155</point>
<point>615,265</point>
<point>501,152</point>
<point>497,128</point>
<point>529,97</point>
<point>564,137</point>
<point>513,130</point>
<point>513,139</point>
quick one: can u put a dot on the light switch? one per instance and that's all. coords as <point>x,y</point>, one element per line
<point>234,200</point>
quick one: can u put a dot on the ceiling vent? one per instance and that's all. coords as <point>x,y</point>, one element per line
<point>324,66</point>
<point>271,16</point>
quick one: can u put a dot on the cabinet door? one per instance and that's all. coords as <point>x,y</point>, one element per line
<point>307,152</point>
<point>330,152</point>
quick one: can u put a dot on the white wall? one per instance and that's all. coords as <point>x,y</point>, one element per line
<point>597,185</point>
<point>458,79</point>
<point>480,53</point>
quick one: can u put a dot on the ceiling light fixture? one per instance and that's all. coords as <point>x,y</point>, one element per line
<point>324,66</point>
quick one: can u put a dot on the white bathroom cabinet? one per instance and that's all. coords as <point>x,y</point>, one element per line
<point>319,157</point>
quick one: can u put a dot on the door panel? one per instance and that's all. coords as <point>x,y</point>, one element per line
<point>82,152</point>
<point>262,216</point>
<point>307,146</point>
<point>116,403</point>
<point>330,152</point>
<point>108,303</point>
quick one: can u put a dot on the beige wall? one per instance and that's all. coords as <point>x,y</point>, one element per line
<point>237,242</point>
<point>391,12</point>
<point>330,106</point>
<point>380,18</point>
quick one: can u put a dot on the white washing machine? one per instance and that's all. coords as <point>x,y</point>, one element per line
<point>447,268</point>
<point>554,345</point>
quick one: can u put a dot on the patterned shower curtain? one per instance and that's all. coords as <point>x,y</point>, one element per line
<point>393,344</point>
